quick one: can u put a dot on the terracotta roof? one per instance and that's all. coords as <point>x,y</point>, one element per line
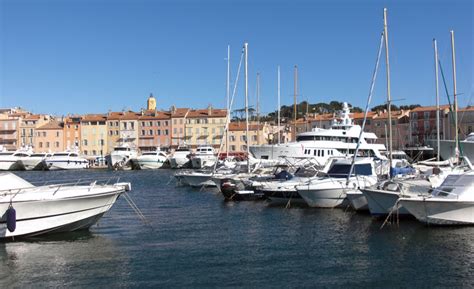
<point>215,112</point>
<point>153,114</point>
<point>94,117</point>
<point>32,117</point>
<point>52,125</point>
<point>242,126</point>
<point>430,108</point>
<point>180,112</point>
<point>360,115</point>
<point>126,115</point>
<point>395,114</point>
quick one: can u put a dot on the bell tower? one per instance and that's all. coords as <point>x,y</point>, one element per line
<point>151,103</point>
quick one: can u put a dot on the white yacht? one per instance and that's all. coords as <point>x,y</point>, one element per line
<point>29,210</point>
<point>150,160</point>
<point>340,140</point>
<point>452,203</point>
<point>179,158</point>
<point>448,147</point>
<point>205,156</point>
<point>13,160</point>
<point>121,156</point>
<point>68,160</point>
<point>36,161</point>
<point>330,192</point>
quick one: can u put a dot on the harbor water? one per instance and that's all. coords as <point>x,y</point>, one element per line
<point>195,239</point>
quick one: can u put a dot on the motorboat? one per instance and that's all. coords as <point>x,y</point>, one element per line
<point>179,158</point>
<point>68,160</point>
<point>120,158</point>
<point>28,210</point>
<point>205,156</point>
<point>13,160</point>
<point>150,160</point>
<point>330,191</point>
<point>36,161</point>
<point>282,191</point>
<point>452,203</point>
<point>321,144</point>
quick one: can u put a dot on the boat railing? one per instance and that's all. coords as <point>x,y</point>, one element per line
<point>58,186</point>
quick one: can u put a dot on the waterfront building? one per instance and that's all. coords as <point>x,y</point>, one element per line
<point>205,126</point>
<point>50,137</point>
<point>154,130</point>
<point>9,131</point>
<point>423,124</point>
<point>122,128</point>
<point>258,134</point>
<point>400,128</point>
<point>72,132</point>
<point>27,129</point>
<point>93,132</point>
<point>178,123</point>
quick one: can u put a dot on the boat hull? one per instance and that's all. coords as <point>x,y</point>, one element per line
<point>437,212</point>
<point>381,202</point>
<point>177,162</point>
<point>324,198</point>
<point>357,200</point>
<point>37,217</point>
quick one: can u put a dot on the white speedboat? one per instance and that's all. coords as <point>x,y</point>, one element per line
<point>150,160</point>
<point>321,144</point>
<point>68,160</point>
<point>330,192</point>
<point>120,158</point>
<point>452,203</point>
<point>179,158</point>
<point>205,156</point>
<point>13,160</point>
<point>36,161</point>
<point>29,210</point>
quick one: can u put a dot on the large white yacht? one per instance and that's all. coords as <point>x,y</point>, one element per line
<point>121,156</point>
<point>447,149</point>
<point>13,160</point>
<point>150,160</point>
<point>321,144</point>
<point>68,160</point>
<point>179,157</point>
<point>205,157</point>
<point>36,161</point>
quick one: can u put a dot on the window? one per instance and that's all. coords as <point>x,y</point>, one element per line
<point>150,132</point>
<point>166,132</point>
<point>174,121</point>
<point>85,152</point>
<point>111,132</point>
<point>175,130</point>
<point>94,152</point>
<point>243,138</point>
<point>254,138</point>
<point>47,144</point>
<point>57,134</point>
<point>181,121</point>
<point>180,130</point>
<point>427,114</point>
<point>158,123</point>
<point>111,123</point>
<point>143,132</point>
<point>232,138</point>
<point>143,123</point>
<point>116,132</point>
<point>44,133</point>
<point>116,123</point>
<point>232,147</point>
<point>132,125</point>
<point>166,123</point>
<point>158,132</point>
<point>150,123</point>
<point>85,142</point>
<point>57,144</point>
<point>40,144</point>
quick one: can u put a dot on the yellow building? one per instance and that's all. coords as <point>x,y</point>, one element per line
<point>258,134</point>
<point>205,126</point>
<point>94,135</point>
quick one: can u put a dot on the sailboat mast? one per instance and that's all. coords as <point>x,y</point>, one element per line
<point>228,100</point>
<point>247,106</point>
<point>258,108</point>
<point>278,104</point>
<point>294,99</point>
<point>456,136</point>
<point>435,45</point>
<point>389,96</point>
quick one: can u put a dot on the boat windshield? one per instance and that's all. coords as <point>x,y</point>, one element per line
<point>61,155</point>
<point>121,149</point>
<point>447,188</point>
<point>38,155</point>
<point>305,172</point>
<point>149,154</point>
<point>342,170</point>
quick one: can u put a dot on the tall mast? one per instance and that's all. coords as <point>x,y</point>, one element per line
<point>247,105</point>
<point>228,100</point>
<point>258,108</point>
<point>389,96</point>
<point>456,135</point>
<point>278,104</point>
<point>435,45</point>
<point>294,99</point>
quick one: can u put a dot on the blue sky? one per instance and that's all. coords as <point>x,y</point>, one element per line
<point>93,56</point>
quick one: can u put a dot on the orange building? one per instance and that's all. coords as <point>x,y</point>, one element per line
<point>72,132</point>
<point>50,137</point>
<point>154,130</point>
